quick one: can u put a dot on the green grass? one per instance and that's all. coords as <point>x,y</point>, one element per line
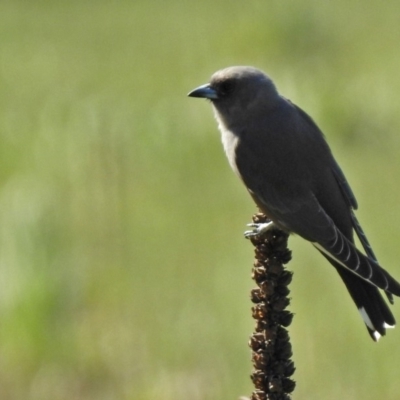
<point>123,272</point>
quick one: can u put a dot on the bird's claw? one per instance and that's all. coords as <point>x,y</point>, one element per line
<point>258,229</point>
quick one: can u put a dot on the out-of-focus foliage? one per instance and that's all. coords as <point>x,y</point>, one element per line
<point>123,271</point>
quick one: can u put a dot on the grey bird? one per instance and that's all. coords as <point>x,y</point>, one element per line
<point>284,161</point>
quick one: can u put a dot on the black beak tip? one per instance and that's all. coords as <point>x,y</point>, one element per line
<point>194,93</point>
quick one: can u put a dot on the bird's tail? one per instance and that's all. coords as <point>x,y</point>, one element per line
<point>371,305</point>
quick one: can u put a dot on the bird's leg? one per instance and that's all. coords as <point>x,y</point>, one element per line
<point>258,229</point>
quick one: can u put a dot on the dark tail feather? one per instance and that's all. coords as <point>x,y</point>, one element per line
<point>371,305</point>
<point>367,247</point>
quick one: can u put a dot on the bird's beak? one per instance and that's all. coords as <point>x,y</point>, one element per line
<point>204,91</point>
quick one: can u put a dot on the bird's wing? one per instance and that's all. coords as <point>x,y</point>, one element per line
<point>344,186</point>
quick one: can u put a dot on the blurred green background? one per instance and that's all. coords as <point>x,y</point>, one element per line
<point>123,269</point>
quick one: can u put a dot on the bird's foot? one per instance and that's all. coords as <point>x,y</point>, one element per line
<point>258,229</point>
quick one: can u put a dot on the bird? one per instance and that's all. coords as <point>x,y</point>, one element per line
<point>288,168</point>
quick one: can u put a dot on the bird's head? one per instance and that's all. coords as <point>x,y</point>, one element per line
<point>236,90</point>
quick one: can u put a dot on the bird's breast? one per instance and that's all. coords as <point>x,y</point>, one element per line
<point>230,142</point>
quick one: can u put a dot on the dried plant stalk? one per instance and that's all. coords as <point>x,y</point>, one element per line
<point>270,343</point>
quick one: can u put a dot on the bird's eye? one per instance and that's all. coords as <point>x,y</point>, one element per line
<point>225,88</point>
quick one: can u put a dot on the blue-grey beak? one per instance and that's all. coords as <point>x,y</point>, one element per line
<point>204,91</point>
